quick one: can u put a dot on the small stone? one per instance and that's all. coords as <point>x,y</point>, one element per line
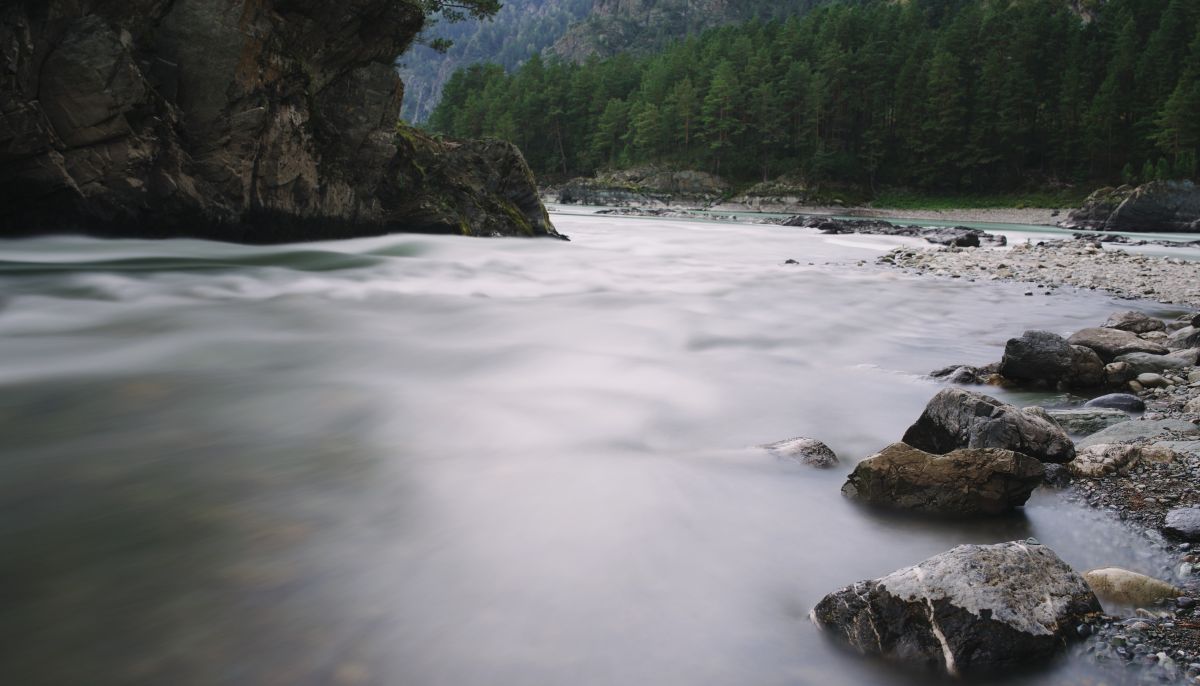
<point>1185,603</point>
<point>1151,380</point>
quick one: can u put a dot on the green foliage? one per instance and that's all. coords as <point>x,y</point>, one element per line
<point>958,98</point>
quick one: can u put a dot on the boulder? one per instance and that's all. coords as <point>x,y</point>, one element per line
<point>1190,356</point>
<point>963,482</point>
<point>1192,406</point>
<point>1087,420</point>
<point>956,419</point>
<point>1145,363</point>
<point>808,451</point>
<point>1135,322</point>
<point>1183,523</point>
<point>1157,206</point>
<point>1112,343</point>
<point>1184,339</point>
<point>954,237</point>
<point>1087,369</point>
<point>1104,459</point>
<point>1196,321</point>
<point>1117,374</point>
<point>1124,587</point>
<point>1142,429</point>
<point>1036,356</point>
<point>1118,401</point>
<point>973,610</point>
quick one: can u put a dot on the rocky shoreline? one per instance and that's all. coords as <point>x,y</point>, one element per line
<point>1132,452</point>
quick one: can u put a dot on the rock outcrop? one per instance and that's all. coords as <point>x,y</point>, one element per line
<point>964,482</point>
<point>642,187</point>
<point>244,120</point>
<point>956,419</point>
<point>974,609</point>
<point>1159,206</point>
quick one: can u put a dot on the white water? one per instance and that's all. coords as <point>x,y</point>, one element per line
<point>436,460</point>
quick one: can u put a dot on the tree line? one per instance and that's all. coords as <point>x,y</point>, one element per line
<point>928,94</point>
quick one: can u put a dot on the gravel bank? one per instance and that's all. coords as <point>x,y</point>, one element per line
<point>1027,216</point>
<point>1064,263</point>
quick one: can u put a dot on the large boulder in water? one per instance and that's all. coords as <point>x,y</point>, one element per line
<point>1159,206</point>
<point>1110,344</point>
<point>963,482</point>
<point>956,419</point>
<point>1043,357</point>
<point>973,610</point>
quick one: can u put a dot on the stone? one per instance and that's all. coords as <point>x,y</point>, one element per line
<point>1184,339</point>
<point>973,610</point>
<point>1086,421</point>
<point>1196,321</point>
<point>808,451</point>
<point>1151,380</point>
<point>1190,356</point>
<point>1184,524</point>
<point>1157,206</point>
<point>1135,322</point>
<point>1087,369</point>
<point>1118,401</point>
<point>1042,356</point>
<point>956,419</point>
<point>1104,459</point>
<point>963,482</point>
<point>1123,587</point>
<point>255,121</point>
<point>1145,363</point>
<point>1112,343</point>
<point>1192,406</point>
<point>1140,430</point>
<point>1118,373</point>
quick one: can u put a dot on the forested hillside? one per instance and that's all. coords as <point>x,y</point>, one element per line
<point>521,28</point>
<point>931,94</point>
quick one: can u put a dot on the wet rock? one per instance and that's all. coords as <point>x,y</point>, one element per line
<point>1036,356</point>
<point>1145,363</point>
<point>1086,421</point>
<point>1135,322</point>
<point>1190,356</point>
<point>955,237</point>
<point>1118,401</point>
<point>974,609</point>
<point>1156,206</point>
<point>963,482</point>
<point>1184,339</point>
<point>1184,524</point>
<point>1196,321</point>
<point>1141,430</point>
<point>1124,587</point>
<point>956,419</point>
<point>1104,459</point>
<point>808,451</point>
<point>1112,343</point>
<point>1117,374</point>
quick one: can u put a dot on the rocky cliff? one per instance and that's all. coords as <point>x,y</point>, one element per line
<point>1160,206</point>
<point>618,25</point>
<point>243,120</point>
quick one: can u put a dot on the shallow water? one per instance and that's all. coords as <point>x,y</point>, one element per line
<point>437,460</point>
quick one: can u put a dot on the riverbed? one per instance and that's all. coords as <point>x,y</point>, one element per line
<point>447,461</point>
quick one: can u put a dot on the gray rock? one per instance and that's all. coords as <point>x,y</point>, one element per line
<point>1145,363</point>
<point>1112,343</point>
<point>1086,421</point>
<point>1036,356</point>
<point>1190,356</point>
<point>1196,321</point>
<point>807,451</point>
<point>1118,401</point>
<point>1124,587</point>
<point>1183,523</point>
<point>1104,459</point>
<point>1140,430</point>
<point>964,482</point>
<point>1087,369</point>
<point>1189,448</point>
<point>1151,380</point>
<point>973,610</point>
<point>1117,374</point>
<point>1156,206</point>
<point>1136,322</point>
<point>1184,339</point>
<point>956,419</point>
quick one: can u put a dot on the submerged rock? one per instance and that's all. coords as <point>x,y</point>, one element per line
<point>974,609</point>
<point>963,482</point>
<point>956,419</point>
<point>1086,421</point>
<point>807,451</point>
<point>1124,587</point>
<point>1119,401</point>
<point>1110,344</point>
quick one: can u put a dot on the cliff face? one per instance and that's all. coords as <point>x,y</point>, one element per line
<point>245,120</point>
<point>617,25</point>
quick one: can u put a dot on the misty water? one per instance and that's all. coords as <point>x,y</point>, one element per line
<point>445,461</point>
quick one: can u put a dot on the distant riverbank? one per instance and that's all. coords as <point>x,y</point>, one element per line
<point>1027,216</point>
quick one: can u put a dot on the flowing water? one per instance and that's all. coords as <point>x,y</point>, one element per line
<point>447,461</point>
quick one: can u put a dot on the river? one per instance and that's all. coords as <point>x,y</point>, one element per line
<point>445,461</point>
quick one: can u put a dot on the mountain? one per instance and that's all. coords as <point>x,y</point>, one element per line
<point>521,28</point>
